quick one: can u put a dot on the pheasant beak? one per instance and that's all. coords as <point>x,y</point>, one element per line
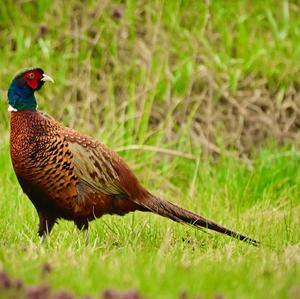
<point>47,78</point>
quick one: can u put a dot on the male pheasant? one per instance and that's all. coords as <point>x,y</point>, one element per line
<point>72,176</point>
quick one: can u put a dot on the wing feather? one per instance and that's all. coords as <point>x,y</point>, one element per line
<point>95,165</point>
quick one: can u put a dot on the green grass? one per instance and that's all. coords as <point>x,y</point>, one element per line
<point>159,257</point>
<point>209,80</point>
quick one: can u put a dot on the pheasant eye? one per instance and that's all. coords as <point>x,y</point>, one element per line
<point>30,76</point>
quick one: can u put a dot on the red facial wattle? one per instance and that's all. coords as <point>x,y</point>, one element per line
<point>32,79</point>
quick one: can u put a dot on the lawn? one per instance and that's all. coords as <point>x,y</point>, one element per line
<point>202,99</point>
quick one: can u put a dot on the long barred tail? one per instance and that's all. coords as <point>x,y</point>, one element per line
<point>178,214</point>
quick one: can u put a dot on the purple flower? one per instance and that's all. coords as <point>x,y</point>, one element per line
<point>5,281</point>
<point>38,292</point>
<point>132,294</point>
<point>117,13</point>
<point>63,295</point>
<point>110,294</point>
<point>43,29</point>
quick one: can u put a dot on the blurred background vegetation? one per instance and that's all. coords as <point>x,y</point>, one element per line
<point>201,76</point>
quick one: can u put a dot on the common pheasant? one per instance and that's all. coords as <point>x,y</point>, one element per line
<point>68,175</point>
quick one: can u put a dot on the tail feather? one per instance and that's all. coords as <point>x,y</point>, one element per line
<point>178,214</point>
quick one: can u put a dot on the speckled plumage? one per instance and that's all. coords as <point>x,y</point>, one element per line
<point>72,176</point>
<point>60,185</point>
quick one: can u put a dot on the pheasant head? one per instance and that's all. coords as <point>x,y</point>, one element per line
<point>22,88</point>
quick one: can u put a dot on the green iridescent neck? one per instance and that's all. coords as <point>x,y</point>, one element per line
<point>21,97</point>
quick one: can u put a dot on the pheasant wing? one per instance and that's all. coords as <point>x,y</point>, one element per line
<point>95,165</point>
